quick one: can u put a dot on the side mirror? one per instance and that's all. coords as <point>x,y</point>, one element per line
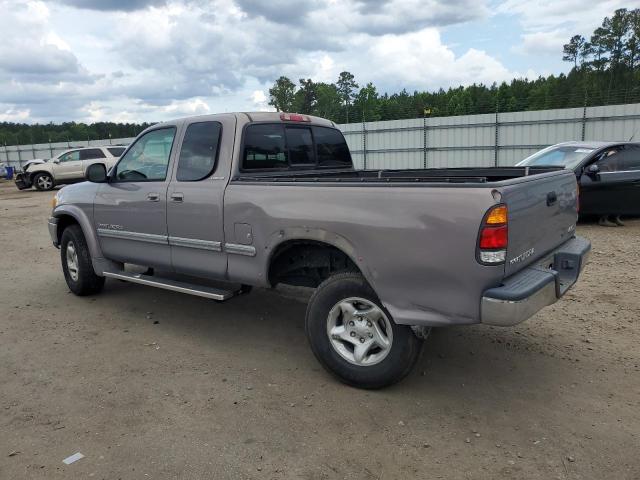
<point>593,169</point>
<point>56,160</point>
<point>97,173</point>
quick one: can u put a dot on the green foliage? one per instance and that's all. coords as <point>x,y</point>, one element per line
<point>23,134</point>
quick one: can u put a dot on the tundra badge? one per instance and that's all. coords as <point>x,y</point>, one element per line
<point>522,256</point>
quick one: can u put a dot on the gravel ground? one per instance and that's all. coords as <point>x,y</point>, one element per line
<point>153,384</point>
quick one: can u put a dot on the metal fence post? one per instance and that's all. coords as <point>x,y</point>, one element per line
<point>495,150</point>
<point>19,157</point>
<point>584,118</point>
<point>364,142</point>
<point>424,142</point>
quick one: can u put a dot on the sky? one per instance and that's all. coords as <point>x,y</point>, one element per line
<point>153,60</point>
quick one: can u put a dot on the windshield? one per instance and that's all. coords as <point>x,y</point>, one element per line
<point>568,156</point>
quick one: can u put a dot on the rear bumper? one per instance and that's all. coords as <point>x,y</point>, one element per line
<point>523,294</point>
<point>53,230</point>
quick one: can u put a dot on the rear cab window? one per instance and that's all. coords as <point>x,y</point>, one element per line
<point>283,146</point>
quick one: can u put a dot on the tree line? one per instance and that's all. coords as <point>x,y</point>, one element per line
<point>605,70</point>
<point>24,134</point>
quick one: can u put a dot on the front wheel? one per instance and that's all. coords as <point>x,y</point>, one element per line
<point>43,181</point>
<point>76,263</point>
<point>354,337</point>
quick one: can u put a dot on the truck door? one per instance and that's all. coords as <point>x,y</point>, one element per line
<point>68,166</point>
<point>130,211</point>
<point>196,195</point>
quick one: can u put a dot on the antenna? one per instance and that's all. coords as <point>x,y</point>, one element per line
<point>634,134</point>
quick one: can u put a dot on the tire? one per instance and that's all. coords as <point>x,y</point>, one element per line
<point>338,338</point>
<point>43,181</point>
<point>79,274</point>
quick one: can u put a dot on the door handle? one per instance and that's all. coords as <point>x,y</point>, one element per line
<point>177,197</point>
<point>153,197</point>
<point>552,198</point>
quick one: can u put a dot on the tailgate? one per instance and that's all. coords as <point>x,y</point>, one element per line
<point>542,216</point>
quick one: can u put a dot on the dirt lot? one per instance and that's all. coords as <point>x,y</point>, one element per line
<point>152,384</point>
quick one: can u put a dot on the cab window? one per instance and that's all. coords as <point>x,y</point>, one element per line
<point>70,156</point>
<point>611,160</point>
<point>148,158</point>
<point>265,147</point>
<point>629,158</point>
<point>280,146</point>
<point>91,154</point>
<point>199,151</point>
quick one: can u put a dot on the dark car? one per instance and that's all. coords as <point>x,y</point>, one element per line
<point>608,174</point>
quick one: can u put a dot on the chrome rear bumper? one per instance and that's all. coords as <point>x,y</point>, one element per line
<point>525,293</point>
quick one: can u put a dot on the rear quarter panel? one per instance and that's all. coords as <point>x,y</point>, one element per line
<point>416,245</point>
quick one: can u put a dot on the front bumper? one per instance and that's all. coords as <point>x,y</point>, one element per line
<point>23,181</point>
<point>53,231</point>
<point>537,286</point>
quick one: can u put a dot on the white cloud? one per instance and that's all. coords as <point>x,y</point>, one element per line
<point>12,115</point>
<point>152,60</point>
<point>549,24</point>
<point>542,43</point>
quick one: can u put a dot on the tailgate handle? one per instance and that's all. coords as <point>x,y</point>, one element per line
<point>552,198</point>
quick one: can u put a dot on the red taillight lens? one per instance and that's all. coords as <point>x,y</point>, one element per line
<point>294,117</point>
<point>494,237</point>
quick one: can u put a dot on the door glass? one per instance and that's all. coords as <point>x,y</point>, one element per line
<point>116,151</point>
<point>629,158</point>
<point>70,156</point>
<point>610,161</point>
<point>147,160</point>
<point>91,154</point>
<point>199,151</point>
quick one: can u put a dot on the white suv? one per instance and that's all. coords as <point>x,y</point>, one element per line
<point>68,167</point>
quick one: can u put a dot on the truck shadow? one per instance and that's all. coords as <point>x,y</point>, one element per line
<point>477,363</point>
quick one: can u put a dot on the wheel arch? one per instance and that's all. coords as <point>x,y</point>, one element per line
<point>71,215</point>
<point>314,254</point>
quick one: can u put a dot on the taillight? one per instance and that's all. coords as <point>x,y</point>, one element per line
<point>294,117</point>
<point>494,236</point>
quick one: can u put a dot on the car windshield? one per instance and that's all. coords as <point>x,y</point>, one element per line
<point>568,156</point>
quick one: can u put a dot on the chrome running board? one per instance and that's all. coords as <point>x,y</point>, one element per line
<point>173,285</point>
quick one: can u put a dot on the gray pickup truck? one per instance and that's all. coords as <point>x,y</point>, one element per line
<point>213,205</point>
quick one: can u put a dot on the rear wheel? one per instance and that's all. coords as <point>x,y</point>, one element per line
<point>354,337</point>
<point>43,181</point>
<point>76,263</point>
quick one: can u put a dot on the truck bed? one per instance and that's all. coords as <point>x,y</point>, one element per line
<point>473,175</point>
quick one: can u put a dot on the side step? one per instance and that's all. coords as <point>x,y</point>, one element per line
<point>182,287</point>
